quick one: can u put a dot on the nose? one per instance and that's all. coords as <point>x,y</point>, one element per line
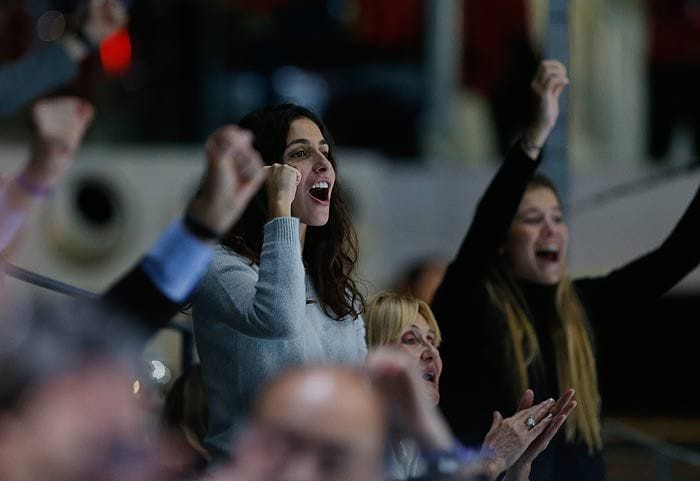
<point>322,164</point>
<point>548,227</point>
<point>429,352</point>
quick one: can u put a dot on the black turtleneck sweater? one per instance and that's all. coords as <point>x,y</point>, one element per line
<point>479,374</point>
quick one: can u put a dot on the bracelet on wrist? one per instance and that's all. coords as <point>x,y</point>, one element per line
<point>32,188</point>
<point>200,230</point>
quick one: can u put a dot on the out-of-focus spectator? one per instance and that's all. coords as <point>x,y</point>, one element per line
<point>313,424</point>
<point>331,423</point>
<point>48,68</point>
<point>67,412</point>
<point>66,403</point>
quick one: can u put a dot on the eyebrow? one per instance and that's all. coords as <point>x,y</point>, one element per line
<point>538,209</point>
<point>305,142</point>
<point>430,331</point>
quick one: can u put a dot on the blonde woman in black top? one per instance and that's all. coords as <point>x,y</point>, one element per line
<point>512,317</point>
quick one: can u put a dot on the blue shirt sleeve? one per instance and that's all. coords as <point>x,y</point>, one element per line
<point>177,262</point>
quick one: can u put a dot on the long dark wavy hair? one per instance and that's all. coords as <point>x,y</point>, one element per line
<point>330,251</point>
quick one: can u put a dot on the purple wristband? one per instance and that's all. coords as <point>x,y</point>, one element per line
<point>451,460</point>
<point>33,189</point>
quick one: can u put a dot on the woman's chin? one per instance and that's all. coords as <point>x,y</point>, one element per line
<point>315,220</point>
<point>433,392</point>
<point>547,277</point>
<point>551,278</point>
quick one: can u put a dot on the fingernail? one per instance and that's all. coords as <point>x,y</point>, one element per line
<point>550,401</point>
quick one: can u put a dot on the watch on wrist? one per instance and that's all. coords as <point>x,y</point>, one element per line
<point>200,230</point>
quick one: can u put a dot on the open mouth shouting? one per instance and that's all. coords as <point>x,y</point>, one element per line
<point>321,192</point>
<point>548,253</point>
<point>430,375</point>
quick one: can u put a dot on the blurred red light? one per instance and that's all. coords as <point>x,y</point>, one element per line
<point>115,53</point>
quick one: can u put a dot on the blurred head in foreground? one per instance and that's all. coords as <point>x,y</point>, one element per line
<point>313,424</point>
<point>67,409</point>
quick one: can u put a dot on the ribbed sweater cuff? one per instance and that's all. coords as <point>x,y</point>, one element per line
<point>283,230</point>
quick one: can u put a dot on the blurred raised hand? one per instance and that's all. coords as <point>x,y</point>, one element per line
<point>60,125</point>
<point>104,18</point>
<point>234,173</point>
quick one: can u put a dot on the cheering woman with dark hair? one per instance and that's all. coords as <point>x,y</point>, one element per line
<point>280,290</point>
<point>526,324</point>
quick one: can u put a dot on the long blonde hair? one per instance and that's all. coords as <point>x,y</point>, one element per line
<point>388,314</point>
<point>576,365</point>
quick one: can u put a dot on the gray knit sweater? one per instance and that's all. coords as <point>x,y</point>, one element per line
<point>252,321</point>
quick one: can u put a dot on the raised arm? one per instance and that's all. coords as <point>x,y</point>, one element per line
<point>269,301</point>
<point>267,304</point>
<point>499,204</point>
<point>153,291</point>
<point>60,124</point>
<point>655,273</point>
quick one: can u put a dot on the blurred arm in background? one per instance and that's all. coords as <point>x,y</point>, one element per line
<point>164,279</point>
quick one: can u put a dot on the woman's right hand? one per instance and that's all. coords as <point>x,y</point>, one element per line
<point>549,82</point>
<point>282,182</point>
<point>234,173</point>
<point>512,448</point>
<point>509,438</point>
<point>61,123</point>
<point>520,470</point>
